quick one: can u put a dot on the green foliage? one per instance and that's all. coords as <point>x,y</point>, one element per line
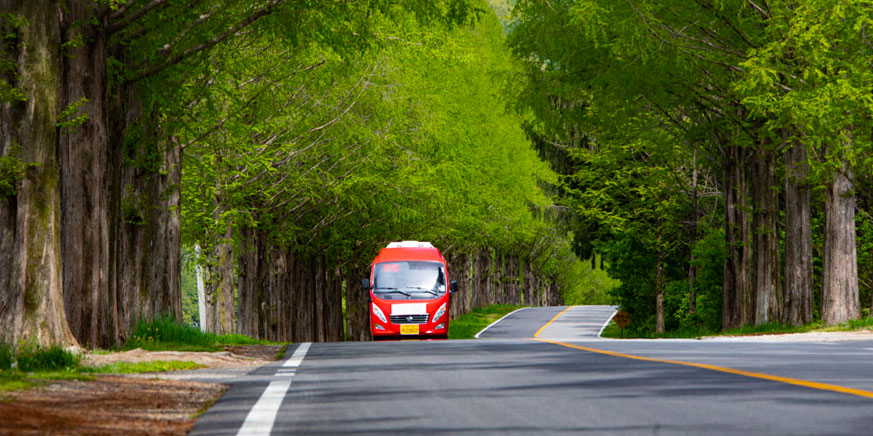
<point>237,339</point>
<point>46,359</point>
<point>13,382</point>
<point>10,94</point>
<point>709,256</point>
<point>635,105</point>
<point>403,138</point>
<point>7,357</point>
<point>12,169</point>
<point>165,334</point>
<point>70,116</point>
<point>9,25</point>
<point>190,310</point>
<point>468,325</point>
<point>587,285</point>
<point>141,367</point>
<point>132,207</point>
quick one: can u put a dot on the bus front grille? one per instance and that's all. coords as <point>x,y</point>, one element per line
<point>409,319</point>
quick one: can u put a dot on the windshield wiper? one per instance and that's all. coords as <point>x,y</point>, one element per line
<point>392,290</point>
<point>429,291</point>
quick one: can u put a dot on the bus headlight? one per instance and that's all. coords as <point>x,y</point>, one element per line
<point>439,313</point>
<point>379,314</point>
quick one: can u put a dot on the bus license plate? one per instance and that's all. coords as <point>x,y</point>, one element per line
<point>409,329</point>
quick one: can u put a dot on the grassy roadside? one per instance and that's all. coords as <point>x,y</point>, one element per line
<point>466,326</point>
<point>612,330</point>
<point>165,334</point>
<point>29,366</point>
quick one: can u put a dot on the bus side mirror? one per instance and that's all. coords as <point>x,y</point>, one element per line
<point>453,287</point>
<point>365,283</point>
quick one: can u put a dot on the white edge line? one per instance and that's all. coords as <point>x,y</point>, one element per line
<point>495,322</point>
<point>606,323</point>
<point>261,418</point>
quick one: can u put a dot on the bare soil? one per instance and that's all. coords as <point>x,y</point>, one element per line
<point>244,355</point>
<point>117,404</point>
<point>839,336</point>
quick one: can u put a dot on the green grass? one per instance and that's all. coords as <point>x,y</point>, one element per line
<point>32,359</point>
<point>466,326</point>
<point>612,330</point>
<point>17,380</point>
<point>166,334</point>
<point>10,384</point>
<point>7,357</point>
<point>31,366</point>
<point>140,367</point>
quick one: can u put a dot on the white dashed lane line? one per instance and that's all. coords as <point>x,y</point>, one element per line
<point>261,418</point>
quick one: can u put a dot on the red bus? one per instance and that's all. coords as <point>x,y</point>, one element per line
<point>409,292</point>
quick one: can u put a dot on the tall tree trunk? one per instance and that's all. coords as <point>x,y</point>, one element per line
<point>659,289</point>
<point>840,265</point>
<point>737,270</point>
<point>31,298</point>
<point>357,303</point>
<point>146,258</point>
<point>767,289</point>
<point>335,304</point>
<point>318,293</point>
<point>200,272</point>
<point>87,182</point>
<point>120,218</point>
<point>798,237</point>
<point>247,283</point>
<point>695,214</point>
<point>220,307</point>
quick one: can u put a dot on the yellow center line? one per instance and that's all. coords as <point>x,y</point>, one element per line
<point>537,334</point>
<point>758,375</point>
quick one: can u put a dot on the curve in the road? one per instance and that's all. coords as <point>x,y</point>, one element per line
<point>565,381</point>
<point>559,322</point>
<point>788,380</point>
<point>578,322</point>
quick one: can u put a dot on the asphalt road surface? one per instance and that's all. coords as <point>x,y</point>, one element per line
<point>566,380</point>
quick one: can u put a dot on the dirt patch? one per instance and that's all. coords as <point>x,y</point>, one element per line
<point>129,405</point>
<point>110,405</point>
<point>258,352</point>
<point>854,335</point>
<point>247,355</point>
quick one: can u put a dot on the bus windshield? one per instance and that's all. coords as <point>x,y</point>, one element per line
<point>410,277</point>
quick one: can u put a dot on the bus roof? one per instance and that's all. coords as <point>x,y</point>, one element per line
<point>394,254</point>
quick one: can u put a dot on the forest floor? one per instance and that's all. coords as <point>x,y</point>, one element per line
<point>120,404</point>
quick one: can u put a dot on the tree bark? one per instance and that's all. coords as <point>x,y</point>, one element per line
<point>737,272</point>
<point>87,183</point>
<point>357,303</point>
<point>120,218</point>
<point>220,304</point>
<point>798,238</point>
<point>695,214</point>
<point>318,293</point>
<point>840,265</point>
<point>767,290</point>
<point>659,290</point>
<point>31,298</point>
<point>201,288</point>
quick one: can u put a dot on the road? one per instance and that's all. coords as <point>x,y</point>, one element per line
<point>565,381</point>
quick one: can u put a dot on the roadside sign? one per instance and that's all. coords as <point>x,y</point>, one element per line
<point>622,319</point>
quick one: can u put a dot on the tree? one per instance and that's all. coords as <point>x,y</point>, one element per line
<point>31,301</point>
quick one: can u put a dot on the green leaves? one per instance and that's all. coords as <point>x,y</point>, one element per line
<point>70,116</point>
